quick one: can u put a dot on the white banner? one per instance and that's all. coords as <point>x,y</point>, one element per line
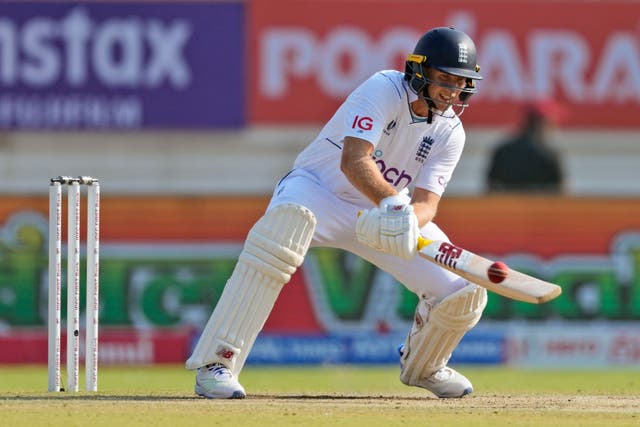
<point>573,345</point>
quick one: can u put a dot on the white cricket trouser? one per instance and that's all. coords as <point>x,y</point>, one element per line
<point>336,225</point>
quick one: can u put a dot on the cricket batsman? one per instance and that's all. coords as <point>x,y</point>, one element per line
<point>349,189</point>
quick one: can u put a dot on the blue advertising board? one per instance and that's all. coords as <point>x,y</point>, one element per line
<point>477,347</point>
<point>121,65</point>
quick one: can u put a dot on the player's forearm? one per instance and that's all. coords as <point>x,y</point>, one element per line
<point>424,212</point>
<point>364,175</point>
<point>425,205</point>
<point>361,171</point>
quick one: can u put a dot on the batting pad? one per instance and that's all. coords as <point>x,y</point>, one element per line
<point>437,330</point>
<point>274,249</point>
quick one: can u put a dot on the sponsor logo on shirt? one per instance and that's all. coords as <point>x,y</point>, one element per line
<point>362,123</point>
<point>394,176</point>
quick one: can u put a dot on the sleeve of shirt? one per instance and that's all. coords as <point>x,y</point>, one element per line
<point>437,171</point>
<point>370,107</point>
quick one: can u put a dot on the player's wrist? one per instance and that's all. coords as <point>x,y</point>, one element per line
<point>395,200</point>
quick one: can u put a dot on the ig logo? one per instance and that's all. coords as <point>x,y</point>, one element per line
<point>364,123</point>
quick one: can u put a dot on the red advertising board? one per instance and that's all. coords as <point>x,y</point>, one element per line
<point>123,346</point>
<point>307,56</point>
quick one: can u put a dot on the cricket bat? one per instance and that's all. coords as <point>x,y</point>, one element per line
<point>508,283</point>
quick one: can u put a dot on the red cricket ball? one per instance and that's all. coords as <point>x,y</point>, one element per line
<point>498,271</point>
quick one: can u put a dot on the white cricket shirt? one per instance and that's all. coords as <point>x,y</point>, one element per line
<point>408,152</point>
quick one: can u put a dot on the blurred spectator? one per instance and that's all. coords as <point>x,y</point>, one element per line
<point>525,162</point>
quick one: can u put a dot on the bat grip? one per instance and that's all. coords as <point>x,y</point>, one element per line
<point>422,242</point>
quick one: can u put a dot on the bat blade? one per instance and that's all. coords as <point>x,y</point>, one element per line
<point>517,285</point>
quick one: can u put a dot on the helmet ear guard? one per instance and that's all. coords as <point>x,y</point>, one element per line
<point>464,96</point>
<point>470,88</point>
<point>414,73</point>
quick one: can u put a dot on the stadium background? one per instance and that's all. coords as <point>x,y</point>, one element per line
<point>189,112</point>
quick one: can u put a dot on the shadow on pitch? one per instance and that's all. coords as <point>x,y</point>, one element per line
<point>157,398</point>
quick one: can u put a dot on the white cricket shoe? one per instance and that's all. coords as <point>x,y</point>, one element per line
<point>446,383</point>
<point>216,381</point>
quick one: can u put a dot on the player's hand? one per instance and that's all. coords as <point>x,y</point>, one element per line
<point>399,230</point>
<point>391,228</point>
<point>368,228</point>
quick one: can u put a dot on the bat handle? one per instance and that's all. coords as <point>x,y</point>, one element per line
<point>422,242</point>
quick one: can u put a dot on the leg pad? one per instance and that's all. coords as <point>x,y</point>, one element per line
<point>437,330</point>
<point>274,249</point>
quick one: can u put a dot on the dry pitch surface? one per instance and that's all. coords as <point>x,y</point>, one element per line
<point>325,396</point>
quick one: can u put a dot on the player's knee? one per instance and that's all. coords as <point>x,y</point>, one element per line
<point>462,309</point>
<point>278,242</point>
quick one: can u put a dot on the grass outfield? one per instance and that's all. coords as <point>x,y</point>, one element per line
<point>324,396</point>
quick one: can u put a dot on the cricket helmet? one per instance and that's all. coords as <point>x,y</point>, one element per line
<point>447,50</point>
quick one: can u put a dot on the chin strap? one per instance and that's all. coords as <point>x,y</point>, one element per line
<point>430,106</point>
